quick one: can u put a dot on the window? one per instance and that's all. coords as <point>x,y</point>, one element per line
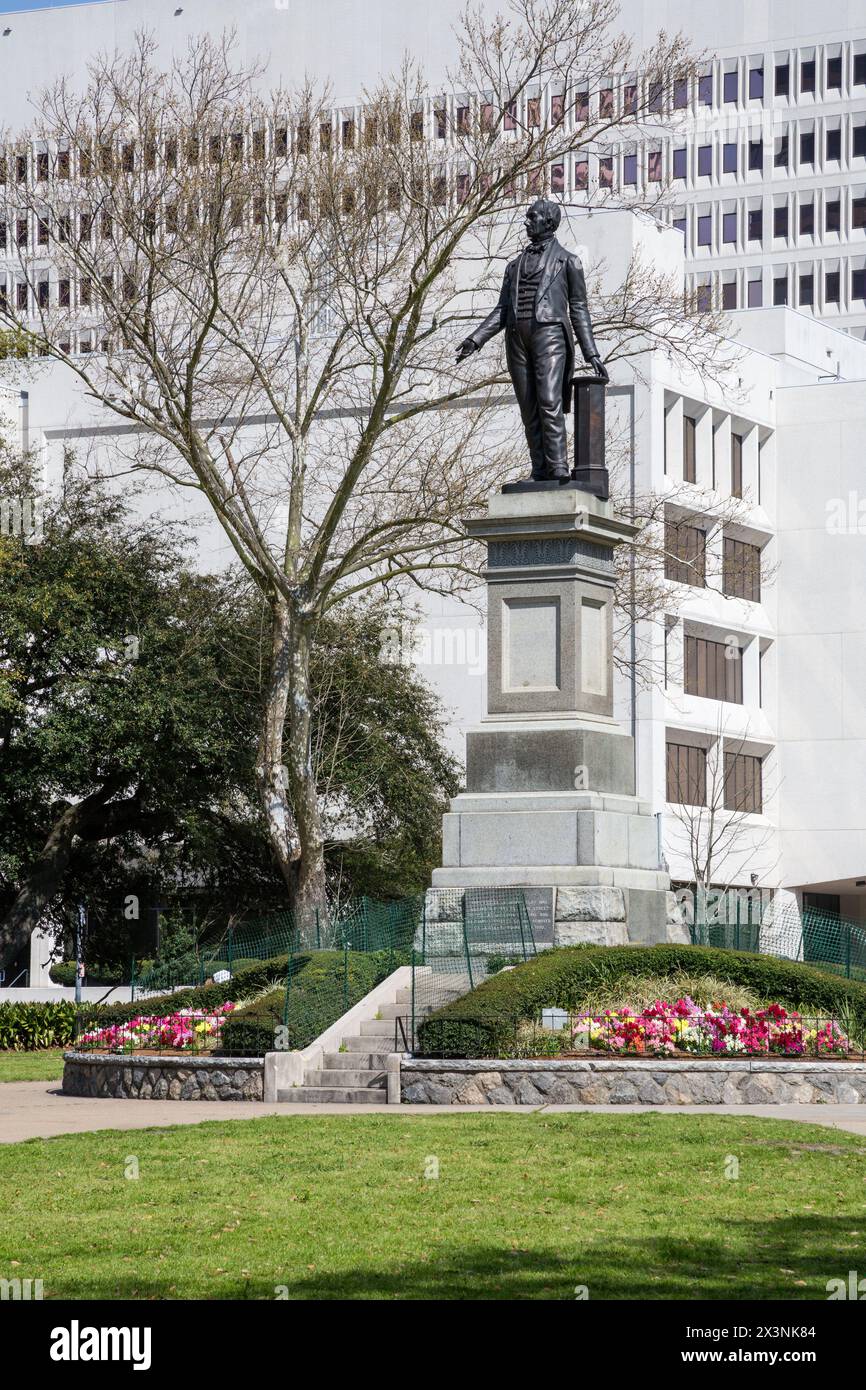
<point>42,166</point>
<point>756,84</point>
<point>756,154</point>
<point>106,158</point>
<point>705,224</point>
<point>325,135</point>
<point>629,99</point>
<point>741,570</point>
<point>705,89</point>
<point>557,108</point>
<point>679,163</point>
<point>807,291</point>
<point>689,441</point>
<point>807,219</point>
<point>655,96</point>
<point>780,289</point>
<point>42,231</point>
<point>685,553</point>
<point>581,173</point>
<point>654,166</point>
<point>730,86</point>
<point>859,69</point>
<point>807,147</point>
<point>729,301</point>
<point>832,215</point>
<point>581,106</point>
<point>605,173</point>
<point>686,774</point>
<point>2,242</point>
<point>557,178</point>
<point>21,296</point>
<point>780,222</point>
<point>605,104</point>
<point>729,228</point>
<point>85,292</point>
<point>681,93</point>
<point>63,294</point>
<point>4,173</point>
<point>755,293</point>
<point>705,161</point>
<point>712,670</point>
<point>858,284</point>
<point>736,465</point>
<point>780,152</point>
<point>679,225</point>
<point>756,225</point>
<point>859,141</point>
<point>127,158</point>
<point>729,159</point>
<point>533,111</point>
<point>42,294</point>
<point>21,168</point>
<point>834,144</point>
<point>704,299</point>
<point>629,169</point>
<point>21,231</point>
<point>63,164</point>
<point>834,74</point>
<point>831,287</point>
<point>782,80</point>
<point>743,783</point>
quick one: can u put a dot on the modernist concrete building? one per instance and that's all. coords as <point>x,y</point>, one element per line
<point>760,657</point>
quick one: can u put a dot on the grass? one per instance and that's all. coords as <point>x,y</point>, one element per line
<point>32,1066</point>
<point>524,1207</point>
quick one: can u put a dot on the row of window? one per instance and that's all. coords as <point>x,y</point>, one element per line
<point>690,426</point>
<point>748,223</point>
<point>686,560</point>
<point>845,285</point>
<point>85,295</point>
<point>742,787</point>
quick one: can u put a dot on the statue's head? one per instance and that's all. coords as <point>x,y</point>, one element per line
<point>542,217</point>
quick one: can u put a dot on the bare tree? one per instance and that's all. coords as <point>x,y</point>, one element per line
<point>272,289</point>
<point>718,791</point>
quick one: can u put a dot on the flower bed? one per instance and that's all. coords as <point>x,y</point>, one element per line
<point>665,1030</point>
<point>188,1030</point>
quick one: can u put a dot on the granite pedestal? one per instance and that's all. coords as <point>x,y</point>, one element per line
<point>550,803</point>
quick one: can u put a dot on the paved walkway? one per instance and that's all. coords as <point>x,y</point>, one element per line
<point>38,1110</point>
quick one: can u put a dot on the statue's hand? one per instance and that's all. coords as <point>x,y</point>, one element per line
<point>466,349</point>
<point>599,368</point>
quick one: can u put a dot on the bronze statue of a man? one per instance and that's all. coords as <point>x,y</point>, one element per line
<point>542,308</point>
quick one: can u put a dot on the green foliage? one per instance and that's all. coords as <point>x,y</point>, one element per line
<point>383,772</point>
<point>485,1022</point>
<point>328,984</point>
<point>26,1027</point>
<point>62,972</point>
<point>243,985</point>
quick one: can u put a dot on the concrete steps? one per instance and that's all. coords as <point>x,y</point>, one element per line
<point>333,1095</point>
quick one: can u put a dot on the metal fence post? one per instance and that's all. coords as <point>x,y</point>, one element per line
<point>132,979</point>
<point>412,1033</point>
<point>231,947</point>
<point>345,974</point>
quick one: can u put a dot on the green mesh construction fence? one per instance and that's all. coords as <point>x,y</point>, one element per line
<point>740,921</point>
<point>361,925</point>
<point>466,936</point>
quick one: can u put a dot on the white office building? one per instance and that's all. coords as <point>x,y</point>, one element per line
<point>761,656</point>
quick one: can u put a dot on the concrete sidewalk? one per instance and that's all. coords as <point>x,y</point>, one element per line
<point>38,1110</point>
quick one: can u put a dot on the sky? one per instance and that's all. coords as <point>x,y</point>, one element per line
<point>12,6</point>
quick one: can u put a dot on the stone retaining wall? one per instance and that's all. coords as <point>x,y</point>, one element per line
<point>616,1081</point>
<point>163,1078</point>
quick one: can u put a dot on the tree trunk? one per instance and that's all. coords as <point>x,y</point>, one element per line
<point>45,876</point>
<point>287,784</point>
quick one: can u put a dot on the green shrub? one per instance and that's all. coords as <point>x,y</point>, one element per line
<point>320,993</point>
<point>62,972</point>
<point>243,985</point>
<point>484,1022</point>
<point>25,1027</point>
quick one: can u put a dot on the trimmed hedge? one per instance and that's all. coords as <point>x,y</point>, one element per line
<point>484,1021</point>
<point>241,986</point>
<point>317,998</point>
<point>26,1027</point>
<point>62,972</point>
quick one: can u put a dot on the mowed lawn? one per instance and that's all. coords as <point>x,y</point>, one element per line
<point>32,1066</point>
<point>631,1206</point>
